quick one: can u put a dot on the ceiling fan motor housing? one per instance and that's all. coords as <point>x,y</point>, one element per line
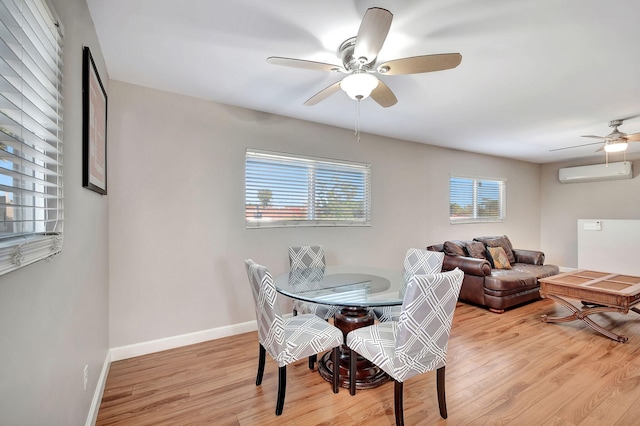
<point>350,62</point>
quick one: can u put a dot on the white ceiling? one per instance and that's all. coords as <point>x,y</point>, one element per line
<point>535,75</point>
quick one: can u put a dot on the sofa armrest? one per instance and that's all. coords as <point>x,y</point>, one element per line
<point>468,265</point>
<point>532,257</point>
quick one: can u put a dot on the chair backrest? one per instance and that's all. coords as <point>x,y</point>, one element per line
<point>425,322</point>
<point>423,262</point>
<point>270,322</point>
<point>302,257</point>
<point>420,262</point>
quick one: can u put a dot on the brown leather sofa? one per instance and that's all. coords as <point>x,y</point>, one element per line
<point>485,284</point>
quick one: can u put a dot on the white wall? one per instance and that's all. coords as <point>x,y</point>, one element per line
<point>563,204</point>
<point>53,315</point>
<point>609,245</point>
<point>177,233</point>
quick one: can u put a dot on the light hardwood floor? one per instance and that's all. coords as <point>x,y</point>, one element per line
<point>501,369</point>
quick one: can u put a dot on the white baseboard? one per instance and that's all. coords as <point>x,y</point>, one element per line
<point>144,348</point>
<point>92,417</point>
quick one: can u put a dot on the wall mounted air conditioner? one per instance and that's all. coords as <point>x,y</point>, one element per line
<point>596,172</point>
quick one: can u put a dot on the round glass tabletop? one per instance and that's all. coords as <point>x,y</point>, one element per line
<point>344,286</point>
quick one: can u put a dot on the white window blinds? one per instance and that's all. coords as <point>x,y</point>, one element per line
<point>476,200</point>
<point>31,203</point>
<point>289,190</point>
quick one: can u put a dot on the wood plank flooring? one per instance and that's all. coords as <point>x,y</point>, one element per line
<point>501,369</point>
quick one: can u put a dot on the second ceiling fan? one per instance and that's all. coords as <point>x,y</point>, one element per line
<point>359,55</point>
<point>615,141</point>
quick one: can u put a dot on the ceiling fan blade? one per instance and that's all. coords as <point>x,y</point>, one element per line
<point>600,149</point>
<point>323,94</point>
<point>302,63</point>
<point>372,33</point>
<point>420,64</point>
<point>576,146</point>
<point>383,95</point>
<point>633,137</point>
<point>594,136</point>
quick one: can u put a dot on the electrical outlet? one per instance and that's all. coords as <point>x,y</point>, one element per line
<point>86,375</point>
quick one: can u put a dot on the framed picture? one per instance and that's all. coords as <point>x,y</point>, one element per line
<point>94,127</point>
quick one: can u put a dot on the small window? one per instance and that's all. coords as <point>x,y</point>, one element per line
<point>289,190</point>
<point>474,200</point>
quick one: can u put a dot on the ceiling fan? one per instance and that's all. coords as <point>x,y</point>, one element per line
<point>616,141</point>
<point>359,54</point>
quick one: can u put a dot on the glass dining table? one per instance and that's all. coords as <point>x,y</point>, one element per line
<point>356,290</point>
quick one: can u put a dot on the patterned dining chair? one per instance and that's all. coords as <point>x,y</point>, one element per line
<point>416,262</point>
<point>308,257</point>
<point>417,342</point>
<point>288,340</point>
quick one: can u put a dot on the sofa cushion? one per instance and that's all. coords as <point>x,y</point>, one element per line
<point>476,249</point>
<point>509,281</point>
<point>454,248</point>
<point>498,257</point>
<point>499,241</point>
<point>538,271</point>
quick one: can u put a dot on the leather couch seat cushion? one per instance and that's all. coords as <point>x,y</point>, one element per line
<point>538,271</point>
<point>510,280</point>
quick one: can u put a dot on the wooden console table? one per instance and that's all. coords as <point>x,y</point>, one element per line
<point>598,291</point>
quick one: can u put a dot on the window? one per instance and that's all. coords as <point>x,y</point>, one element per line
<point>476,200</point>
<point>289,190</point>
<point>31,210</point>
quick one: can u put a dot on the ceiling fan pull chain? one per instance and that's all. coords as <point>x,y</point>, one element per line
<point>357,133</point>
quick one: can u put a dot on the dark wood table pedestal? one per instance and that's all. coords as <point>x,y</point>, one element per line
<point>368,375</point>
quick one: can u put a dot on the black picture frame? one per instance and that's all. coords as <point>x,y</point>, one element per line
<point>94,126</point>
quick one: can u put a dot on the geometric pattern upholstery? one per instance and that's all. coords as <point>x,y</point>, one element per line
<point>416,262</point>
<point>302,257</point>
<point>418,341</point>
<point>287,340</point>
<point>306,257</point>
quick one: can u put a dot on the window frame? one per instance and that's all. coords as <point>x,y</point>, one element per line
<point>31,155</point>
<point>476,183</point>
<point>291,186</point>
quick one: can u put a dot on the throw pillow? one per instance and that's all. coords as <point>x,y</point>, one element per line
<point>503,242</point>
<point>499,258</point>
<point>476,249</point>
<point>453,249</point>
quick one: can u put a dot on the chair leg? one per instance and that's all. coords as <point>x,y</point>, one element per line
<point>282,387</point>
<point>353,359</point>
<point>397,399</point>
<point>442,402</point>
<point>335,359</point>
<point>312,360</point>
<point>261,359</point>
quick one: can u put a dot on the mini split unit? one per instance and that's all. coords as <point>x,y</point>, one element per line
<point>596,172</point>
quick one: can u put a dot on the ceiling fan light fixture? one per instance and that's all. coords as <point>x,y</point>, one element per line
<point>616,146</point>
<point>359,85</point>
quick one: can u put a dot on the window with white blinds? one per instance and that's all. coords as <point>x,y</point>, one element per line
<point>31,203</point>
<point>289,190</point>
<point>476,200</point>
